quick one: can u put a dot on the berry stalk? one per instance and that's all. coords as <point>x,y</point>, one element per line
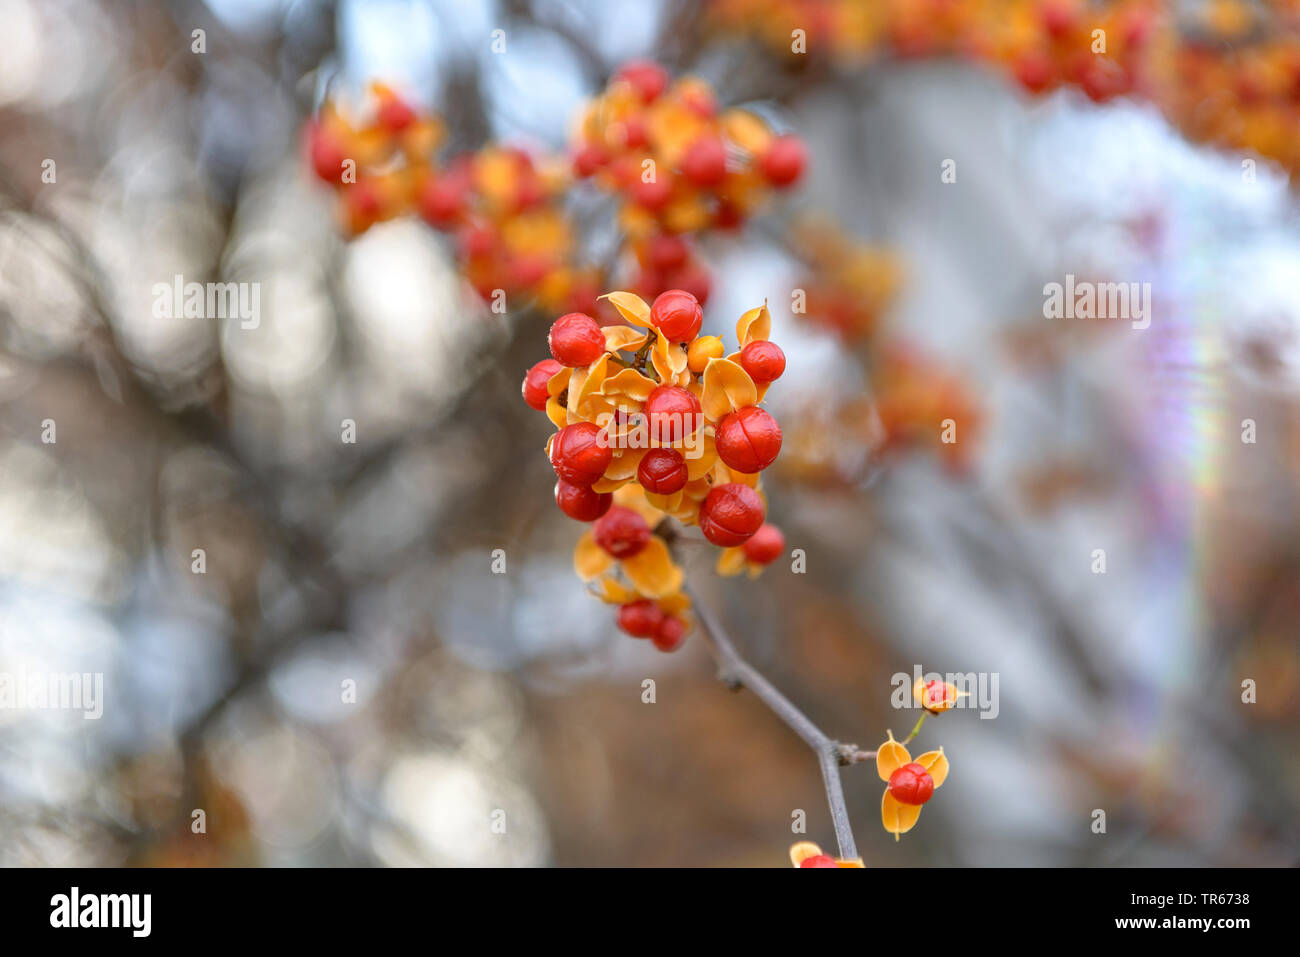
<point>736,673</point>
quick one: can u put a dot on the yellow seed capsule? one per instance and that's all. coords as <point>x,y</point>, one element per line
<point>701,351</point>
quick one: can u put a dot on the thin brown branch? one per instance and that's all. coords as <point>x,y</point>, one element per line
<point>737,673</point>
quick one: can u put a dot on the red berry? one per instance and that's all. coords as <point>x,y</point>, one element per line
<point>1059,17</point>
<point>694,280</point>
<point>649,282</point>
<point>529,190</point>
<point>649,79</point>
<point>667,252</point>
<point>818,860</point>
<point>1103,80</point>
<point>672,413</point>
<point>652,195</point>
<point>395,114</point>
<point>670,634</point>
<point>535,380</point>
<point>621,532</point>
<point>441,200</point>
<point>589,159</point>
<point>765,545</point>
<point>364,204</point>
<point>700,101</point>
<point>640,619</point>
<point>911,784</point>
<point>677,314</point>
<point>763,360</point>
<point>526,271</point>
<point>705,161</point>
<point>576,340</point>
<point>938,696</point>
<point>730,514</point>
<point>1034,71</point>
<point>749,440</point>
<point>784,161</point>
<point>634,132</point>
<point>580,453</point>
<point>662,471</point>
<point>476,241</point>
<point>1137,27</point>
<point>327,154</point>
<point>582,502</point>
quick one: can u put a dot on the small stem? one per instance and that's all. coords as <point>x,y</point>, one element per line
<point>916,728</point>
<point>850,754</point>
<point>643,354</point>
<point>736,673</point>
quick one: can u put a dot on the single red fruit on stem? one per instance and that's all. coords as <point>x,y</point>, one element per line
<point>582,502</point>
<point>640,619</point>
<point>749,440</point>
<point>784,161</point>
<point>535,380</point>
<point>580,453</point>
<point>576,340</point>
<point>662,471</point>
<point>677,314</point>
<point>763,360</point>
<point>765,545</point>
<point>670,635</point>
<point>621,532</point>
<point>911,784</point>
<point>672,413</point>
<point>730,514</point>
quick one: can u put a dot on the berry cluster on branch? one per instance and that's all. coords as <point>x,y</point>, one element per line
<point>1226,72</point>
<point>654,421</point>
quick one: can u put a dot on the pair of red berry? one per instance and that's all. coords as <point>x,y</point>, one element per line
<point>643,618</point>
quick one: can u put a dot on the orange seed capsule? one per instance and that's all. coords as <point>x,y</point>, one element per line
<point>701,351</point>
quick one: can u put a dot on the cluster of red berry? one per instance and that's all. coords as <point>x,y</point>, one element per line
<point>1042,43</point>
<point>655,422</point>
<point>506,213</point>
<point>376,167</point>
<point>503,207</point>
<point>1226,72</point>
<point>921,404</point>
<point>848,286</point>
<point>679,165</point>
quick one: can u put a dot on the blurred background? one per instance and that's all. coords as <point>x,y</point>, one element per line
<point>128,441</point>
